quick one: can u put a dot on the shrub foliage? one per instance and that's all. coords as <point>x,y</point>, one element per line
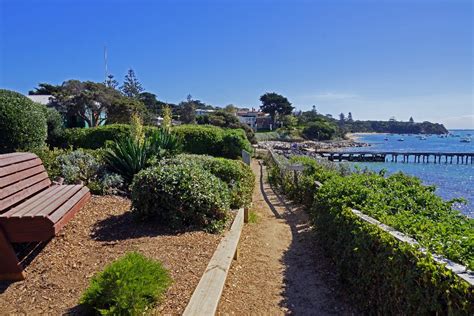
<point>128,286</point>
<point>382,274</point>
<point>22,122</point>
<point>213,140</point>
<point>181,195</point>
<point>238,176</point>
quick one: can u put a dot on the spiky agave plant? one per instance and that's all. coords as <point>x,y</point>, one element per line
<point>164,142</point>
<point>127,156</point>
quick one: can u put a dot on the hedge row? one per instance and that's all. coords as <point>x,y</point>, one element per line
<point>197,139</point>
<point>213,140</point>
<point>382,274</point>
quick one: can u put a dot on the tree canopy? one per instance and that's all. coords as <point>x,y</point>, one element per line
<point>131,86</point>
<point>275,104</point>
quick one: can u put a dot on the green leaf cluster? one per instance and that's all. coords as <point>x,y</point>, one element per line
<point>22,122</point>
<point>238,176</point>
<point>213,140</point>
<point>181,195</point>
<point>129,286</point>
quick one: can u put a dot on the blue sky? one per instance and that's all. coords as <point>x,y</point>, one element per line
<point>376,59</point>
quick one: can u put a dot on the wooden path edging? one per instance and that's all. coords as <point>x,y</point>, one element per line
<point>458,269</point>
<point>208,292</point>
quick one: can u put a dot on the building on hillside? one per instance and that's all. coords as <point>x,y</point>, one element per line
<point>41,99</point>
<point>203,112</point>
<point>255,119</point>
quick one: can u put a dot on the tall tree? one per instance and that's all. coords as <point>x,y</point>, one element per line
<point>131,86</point>
<point>111,82</point>
<point>188,110</point>
<point>411,120</point>
<point>349,117</point>
<point>275,104</point>
<point>95,103</point>
<point>342,118</point>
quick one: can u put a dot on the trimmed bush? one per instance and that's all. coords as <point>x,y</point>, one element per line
<point>22,122</point>
<point>128,286</point>
<point>238,176</point>
<point>181,195</point>
<point>97,137</point>
<point>213,140</point>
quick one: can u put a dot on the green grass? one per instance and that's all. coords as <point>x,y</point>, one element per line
<point>253,217</point>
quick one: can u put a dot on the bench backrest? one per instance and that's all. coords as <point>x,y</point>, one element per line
<point>21,176</point>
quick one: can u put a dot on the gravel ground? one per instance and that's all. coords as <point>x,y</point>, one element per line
<point>281,268</point>
<point>100,233</point>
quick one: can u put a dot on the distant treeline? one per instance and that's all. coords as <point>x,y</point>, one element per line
<point>393,127</point>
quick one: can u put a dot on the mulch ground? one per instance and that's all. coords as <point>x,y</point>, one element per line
<point>101,232</point>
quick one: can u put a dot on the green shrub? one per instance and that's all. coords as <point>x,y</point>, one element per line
<point>383,275</point>
<point>238,176</point>
<point>129,286</point>
<point>96,137</point>
<point>213,140</point>
<point>55,125</point>
<point>181,195</point>
<point>78,166</point>
<point>49,157</point>
<point>22,122</point>
<point>128,155</point>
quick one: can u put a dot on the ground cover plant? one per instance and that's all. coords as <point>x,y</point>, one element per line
<point>181,196</point>
<point>383,274</point>
<point>130,285</point>
<point>22,122</point>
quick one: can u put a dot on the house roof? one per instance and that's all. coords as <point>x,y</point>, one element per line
<point>41,99</point>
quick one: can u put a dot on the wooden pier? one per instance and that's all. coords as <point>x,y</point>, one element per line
<point>405,157</point>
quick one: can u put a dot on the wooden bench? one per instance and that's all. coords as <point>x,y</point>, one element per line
<point>32,209</point>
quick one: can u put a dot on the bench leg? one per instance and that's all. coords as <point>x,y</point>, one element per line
<point>10,268</point>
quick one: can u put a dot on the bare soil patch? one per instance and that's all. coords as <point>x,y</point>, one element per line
<point>281,268</point>
<point>100,233</point>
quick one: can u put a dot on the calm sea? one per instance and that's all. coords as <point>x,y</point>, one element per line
<point>451,180</point>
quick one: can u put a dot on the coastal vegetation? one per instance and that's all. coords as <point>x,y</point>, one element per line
<point>130,285</point>
<point>383,274</point>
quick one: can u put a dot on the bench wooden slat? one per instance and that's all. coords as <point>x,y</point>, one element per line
<point>5,171</point>
<point>33,202</point>
<point>23,184</point>
<point>16,159</point>
<point>63,209</point>
<point>22,195</point>
<point>3,156</point>
<point>54,203</point>
<point>12,178</point>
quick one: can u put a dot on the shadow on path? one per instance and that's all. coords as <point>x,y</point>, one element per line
<point>311,285</point>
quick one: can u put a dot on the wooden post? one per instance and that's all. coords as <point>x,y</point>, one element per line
<point>10,268</point>
<point>246,215</point>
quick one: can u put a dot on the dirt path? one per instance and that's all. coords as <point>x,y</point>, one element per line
<point>281,268</point>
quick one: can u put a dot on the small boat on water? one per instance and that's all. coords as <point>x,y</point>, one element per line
<point>401,140</point>
<point>465,140</point>
<point>386,138</point>
<point>422,138</point>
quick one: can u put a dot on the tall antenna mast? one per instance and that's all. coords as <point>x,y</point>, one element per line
<point>105,63</point>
